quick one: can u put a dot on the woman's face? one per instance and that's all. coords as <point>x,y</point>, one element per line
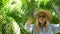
<point>42,18</point>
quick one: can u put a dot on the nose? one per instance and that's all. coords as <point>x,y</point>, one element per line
<point>41,18</point>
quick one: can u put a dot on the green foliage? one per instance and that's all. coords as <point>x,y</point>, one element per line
<point>22,14</point>
<point>23,31</point>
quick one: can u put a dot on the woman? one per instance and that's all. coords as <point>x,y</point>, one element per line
<point>42,24</point>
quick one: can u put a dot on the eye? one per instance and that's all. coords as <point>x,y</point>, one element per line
<point>42,16</point>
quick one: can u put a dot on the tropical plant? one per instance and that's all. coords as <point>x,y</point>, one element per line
<point>21,10</point>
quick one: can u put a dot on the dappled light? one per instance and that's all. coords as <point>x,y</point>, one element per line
<point>15,13</point>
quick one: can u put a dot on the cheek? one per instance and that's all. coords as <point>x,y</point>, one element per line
<point>44,20</point>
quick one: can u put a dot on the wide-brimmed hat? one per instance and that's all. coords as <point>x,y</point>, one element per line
<point>47,12</point>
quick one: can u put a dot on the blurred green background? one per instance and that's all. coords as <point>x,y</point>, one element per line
<point>15,13</point>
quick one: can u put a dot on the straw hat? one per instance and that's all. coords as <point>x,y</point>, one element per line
<point>48,13</point>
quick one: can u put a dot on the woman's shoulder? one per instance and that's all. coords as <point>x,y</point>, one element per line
<point>54,25</point>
